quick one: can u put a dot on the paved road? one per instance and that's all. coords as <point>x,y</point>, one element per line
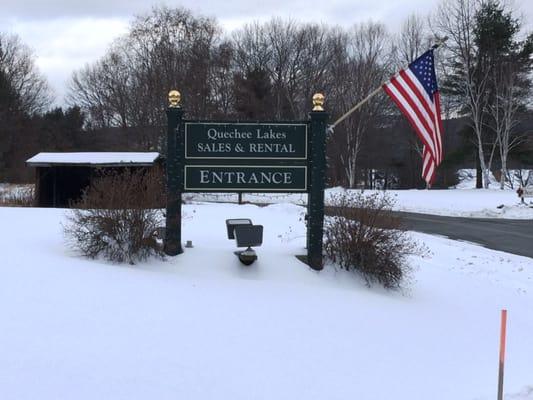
<point>510,235</point>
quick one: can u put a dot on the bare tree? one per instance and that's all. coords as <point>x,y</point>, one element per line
<point>508,101</point>
<point>17,63</point>
<point>104,90</point>
<point>24,94</point>
<point>252,47</point>
<point>364,67</point>
<point>296,57</point>
<point>221,79</point>
<point>456,19</point>
<point>322,45</point>
<point>412,41</point>
<point>164,49</point>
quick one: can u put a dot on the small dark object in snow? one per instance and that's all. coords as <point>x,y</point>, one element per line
<point>500,206</point>
<point>246,234</point>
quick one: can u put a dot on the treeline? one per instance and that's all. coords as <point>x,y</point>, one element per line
<point>262,71</point>
<point>27,123</point>
<point>271,70</point>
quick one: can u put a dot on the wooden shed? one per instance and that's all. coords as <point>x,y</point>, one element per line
<point>61,177</point>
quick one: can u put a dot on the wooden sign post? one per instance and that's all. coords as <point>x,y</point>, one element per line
<point>267,157</point>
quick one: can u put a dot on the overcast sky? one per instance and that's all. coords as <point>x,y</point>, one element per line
<point>66,34</point>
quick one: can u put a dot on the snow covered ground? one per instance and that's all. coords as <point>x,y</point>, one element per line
<point>489,203</point>
<point>486,203</point>
<point>202,326</point>
<point>461,202</point>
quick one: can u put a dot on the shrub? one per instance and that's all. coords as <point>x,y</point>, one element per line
<point>115,217</point>
<point>364,235</point>
<point>18,196</point>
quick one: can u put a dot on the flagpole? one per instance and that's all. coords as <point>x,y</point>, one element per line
<point>437,44</point>
<point>354,108</point>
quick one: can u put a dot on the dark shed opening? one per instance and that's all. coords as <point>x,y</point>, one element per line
<point>60,178</point>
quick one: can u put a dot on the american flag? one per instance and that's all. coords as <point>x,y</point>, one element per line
<point>415,92</point>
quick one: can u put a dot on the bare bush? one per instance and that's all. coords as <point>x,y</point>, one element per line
<point>18,196</point>
<point>365,236</point>
<point>115,217</point>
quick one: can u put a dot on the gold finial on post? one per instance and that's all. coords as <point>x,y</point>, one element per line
<point>174,98</point>
<point>318,102</point>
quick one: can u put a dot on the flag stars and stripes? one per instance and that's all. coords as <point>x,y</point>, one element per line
<point>415,92</point>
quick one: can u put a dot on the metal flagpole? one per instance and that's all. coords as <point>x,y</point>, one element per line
<point>438,43</point>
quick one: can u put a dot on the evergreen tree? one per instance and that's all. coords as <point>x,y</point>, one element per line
<point>11,119</point>
<point>487,54</point>
<point>59,129</point>
<point>253,95</point>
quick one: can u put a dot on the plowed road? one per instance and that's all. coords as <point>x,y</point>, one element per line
<point>510,235</point>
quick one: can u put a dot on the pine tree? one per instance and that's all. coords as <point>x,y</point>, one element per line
<point>253,95</point>
<point>10,118</point>
<point>486,50</point>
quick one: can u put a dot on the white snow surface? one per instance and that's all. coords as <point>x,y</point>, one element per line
<point>94,158</point>
<point>203,326</point>
<point>476,203</point>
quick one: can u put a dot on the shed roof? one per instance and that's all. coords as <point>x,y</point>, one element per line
<point>99,159</point>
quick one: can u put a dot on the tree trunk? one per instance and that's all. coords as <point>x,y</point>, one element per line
<point>504,171</point>
<point>479,172</point>
<point>484,168</point>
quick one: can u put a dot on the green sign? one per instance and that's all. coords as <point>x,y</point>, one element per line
<point>234,178</point>
<point>211,156</point>
<point>219,140</point>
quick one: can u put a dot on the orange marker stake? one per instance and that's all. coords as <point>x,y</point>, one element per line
<point>503,332</point>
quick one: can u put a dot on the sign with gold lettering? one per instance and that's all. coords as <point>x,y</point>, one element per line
<point>245,141</point>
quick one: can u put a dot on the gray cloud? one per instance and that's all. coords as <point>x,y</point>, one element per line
<point>336,11</point>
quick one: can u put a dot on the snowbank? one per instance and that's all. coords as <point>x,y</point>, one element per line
<point>202,326</point>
